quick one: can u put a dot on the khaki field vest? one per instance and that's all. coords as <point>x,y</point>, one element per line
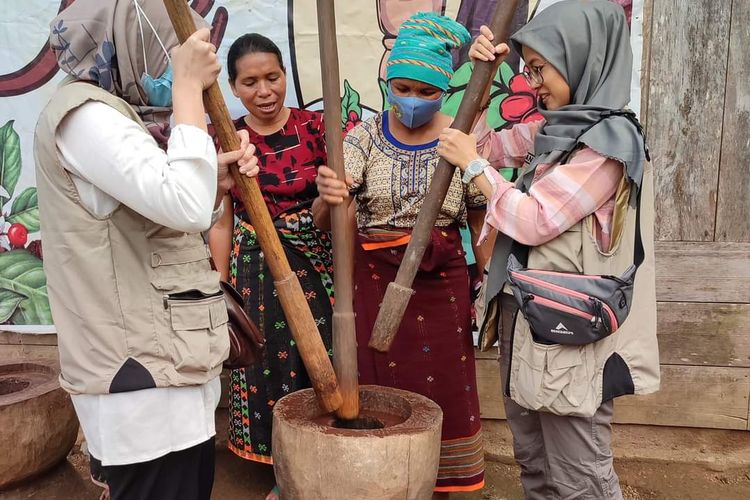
<point>114,281</point>
<point>575,380</point>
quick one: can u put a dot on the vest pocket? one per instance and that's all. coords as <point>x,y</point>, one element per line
<point>199,341</point>
<point>552,378</point>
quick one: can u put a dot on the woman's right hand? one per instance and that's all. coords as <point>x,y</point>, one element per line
<point>483,50</point>
<point>332,190</point>
<point>245,159</point>
<point>195,61</point>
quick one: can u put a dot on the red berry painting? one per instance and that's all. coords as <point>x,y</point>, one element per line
<point>17,235</point>
<point>23,286</point>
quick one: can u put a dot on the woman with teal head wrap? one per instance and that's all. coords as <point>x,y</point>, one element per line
<point>390,160</point>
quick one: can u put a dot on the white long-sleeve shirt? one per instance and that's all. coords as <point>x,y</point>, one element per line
<point>112,160</point>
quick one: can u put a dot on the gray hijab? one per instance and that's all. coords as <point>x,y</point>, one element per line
<point>588,42</point>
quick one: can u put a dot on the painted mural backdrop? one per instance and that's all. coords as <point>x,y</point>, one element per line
<point>366,31</point>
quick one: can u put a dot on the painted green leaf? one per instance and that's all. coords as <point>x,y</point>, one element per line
<point>10,161</point>
<point>9,301</point>
<point>384,93</point>
<point>450,104</point>
<point>458,86</point>
<point>25,210</point>
<point>349,102</point>
<point>22,273</point>
<point>456,89</point>
<point>506,74</point>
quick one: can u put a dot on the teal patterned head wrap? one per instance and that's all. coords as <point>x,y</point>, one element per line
<point>422,50</point>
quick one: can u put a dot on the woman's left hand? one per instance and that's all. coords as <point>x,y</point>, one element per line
<point>244,157</point>
<point>457,148</point>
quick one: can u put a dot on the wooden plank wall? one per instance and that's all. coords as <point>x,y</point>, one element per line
<point>696,109</point>
<point>698,124</point>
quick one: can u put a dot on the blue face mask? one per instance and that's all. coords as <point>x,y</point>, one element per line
<point>158,90</point>
<point>414,112</point>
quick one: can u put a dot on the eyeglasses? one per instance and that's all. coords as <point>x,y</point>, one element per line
<point>533,74</point>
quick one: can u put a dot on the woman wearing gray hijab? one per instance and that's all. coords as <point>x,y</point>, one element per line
<point>585,186</point>
<point>141,322</point>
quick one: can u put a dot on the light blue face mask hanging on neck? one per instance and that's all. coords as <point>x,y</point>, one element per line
<point>158,90</point>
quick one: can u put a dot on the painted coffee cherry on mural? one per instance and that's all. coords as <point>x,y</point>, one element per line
<point>35,248</point>
<point>17,235</point>
<point>352,121</point>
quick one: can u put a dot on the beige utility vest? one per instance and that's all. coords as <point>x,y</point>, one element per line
<point>135,304</point>
<point>575,380</point>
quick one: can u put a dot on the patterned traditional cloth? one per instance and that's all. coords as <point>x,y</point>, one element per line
<point>432,353</point>
<point>391,178</point>
<point>289,160</point>
<point>558,198</point>
<point>422,50</point>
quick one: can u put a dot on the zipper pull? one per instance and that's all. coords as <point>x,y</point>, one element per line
<point>598,320</point>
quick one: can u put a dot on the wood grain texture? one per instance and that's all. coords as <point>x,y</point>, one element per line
<point>704,334</point>
<point>689,44</point>
<point>342,233</point>
<point>702,272</point>
<point>733,209</point>
<point>647,26</point>
<point>14,338</point>
<point>690,396</point>
<point>29,353</point>
<point>489,386</point>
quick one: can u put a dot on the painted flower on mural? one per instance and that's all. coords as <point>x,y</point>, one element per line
<point>511,99</point>
<point>23,287</point>
<point>4,226</point>
<point>519,106</point>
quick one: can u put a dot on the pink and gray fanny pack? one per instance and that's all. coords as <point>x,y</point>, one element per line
<point>571,308</point>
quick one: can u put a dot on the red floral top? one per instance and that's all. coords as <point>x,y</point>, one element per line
<point>288,160</point>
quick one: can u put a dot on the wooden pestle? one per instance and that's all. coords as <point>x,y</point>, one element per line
<point>296,309</point>
<point>344,330</point>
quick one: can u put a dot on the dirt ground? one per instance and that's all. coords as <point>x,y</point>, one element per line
<point>654,464</point>
<point>238,479</point>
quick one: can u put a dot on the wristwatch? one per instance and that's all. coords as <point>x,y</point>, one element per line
<point>474,168</point>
